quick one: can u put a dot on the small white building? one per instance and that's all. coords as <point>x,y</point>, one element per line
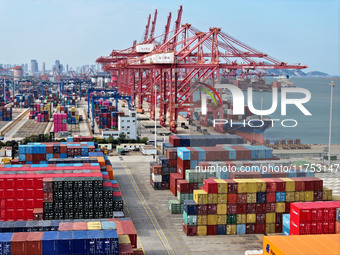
<point>148,150</point>
<point>131,146</point>
<point>126,125</point>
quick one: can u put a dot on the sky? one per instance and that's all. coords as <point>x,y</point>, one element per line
<point>77,32</point>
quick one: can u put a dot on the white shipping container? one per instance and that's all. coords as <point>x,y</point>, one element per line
<point>163,58</point>
<point>2,153</point>
<point>156,177</point>
<point>145,48</point>
<point>8,153</point>
<point>147,60</point>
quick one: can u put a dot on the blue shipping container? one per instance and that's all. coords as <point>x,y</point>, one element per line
<point>241,229</point>
<point>65,242</point>
<point>80,242</point>
<point>5,243</point>
<point>96,241</point>
<point>50,242</point>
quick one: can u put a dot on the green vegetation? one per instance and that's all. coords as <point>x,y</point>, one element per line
<point>121,139</point>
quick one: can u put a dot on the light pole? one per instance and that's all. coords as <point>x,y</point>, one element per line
<point>332,84</point>
<point>155,118</point>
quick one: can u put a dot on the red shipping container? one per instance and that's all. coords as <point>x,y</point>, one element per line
<point>29,182</point>
<point>189,230</point>
<point>29,214</point>
<point>20,183</point>
<point>9,183</point>
<point>9,193</point>
<point>232,198</point>
<point>280,185</point>
<point>29,193</point>
<point>129,229</point>
<point>34,243</point>
<point>241,198</point>
<point>19,202</point>
<point>193,153</point>
<point>173,180</point>
<point>260,208</point>
<point>251,208</point>
<point>271,185</point>
<point>49,148</point>
<point>202,209</point>
<point>260,218</point>
<point>174,140</point>
<point>173,162</point>
<point>211,230</point>
<point>318,183</point>
<point>20,214</point>
<point>299,184</point>
<point>157,169</point>
<point>250,228</point>
<point>193,186</point>
<point>10,203</point>
<point>210,186</point>
<point>260,228</point>
<point>278,218</point>
<point>231,209</point>
<point>28,203</point>
<point>66,226</point>
<point>18,243</point>
<point>38,203</point>
<point>271,197</point>
<point>183,186</point>
<point>329,214</point>
<point>242,152</point>
<point>10,214</point>
<point>318,195</point>
<point>212,208</point>
<point>287,207</point>
<point>270,207</point>
<point>278,228</point>
<point>183,164</point>
<point>241,208</point>
<point>300,212</point>
<point>232,186</point>
<point>309,184</point>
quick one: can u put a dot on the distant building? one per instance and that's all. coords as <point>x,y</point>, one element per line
<point>57,66</point>
<point>126,125</point>
<point>34,67</point>
<point>43,68</point>
<point>66,68</point>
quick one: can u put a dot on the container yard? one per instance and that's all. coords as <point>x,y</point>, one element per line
<point>148,152</point>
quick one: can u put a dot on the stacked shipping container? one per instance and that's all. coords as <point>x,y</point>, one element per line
<point>246,206</point>
<point>313,218</point>
<point>41,111</point>
<point>5,113</point>
<point>35,153</point>
<point>23,101</point>
<point>60,122</point>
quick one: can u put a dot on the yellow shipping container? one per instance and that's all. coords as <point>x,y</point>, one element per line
<point>95,225</point>
<point>309,196</point>
<point>124,239</point>
<point>212,219</point>
<point>241,218</point>
<point>290,196</point>
<point>202,220</point>
<point>222,198</point>
<point>280,207</point>
<point>302,196</point>
<point>221,208</point>
<point>252,186</point>
<point>301,244</point>
<point>201,230</point>
<point>270,217</point>
<point>200,197</point>
<point>251,198</point>
<point>222,186</point>
<point>251,218</point>
<point>231,229</point>
<point>221,219</point>
<point>261,185</point>
<point>212,198</point>
<point>290,184</point>
<point>297,196</point>
<point>270,228</point>
<point>326,194</point>
<point>242,185</point>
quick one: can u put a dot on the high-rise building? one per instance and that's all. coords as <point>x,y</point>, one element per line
<point>66,68</point>
<point>34,67</point>
<point>57,66</point>
<point>43,68</point>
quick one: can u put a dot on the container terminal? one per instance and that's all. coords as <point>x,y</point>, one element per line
<point>130,161</point>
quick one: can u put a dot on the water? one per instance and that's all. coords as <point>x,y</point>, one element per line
<point>310,129</point>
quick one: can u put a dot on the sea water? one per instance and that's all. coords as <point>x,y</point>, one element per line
<point>312,129</point>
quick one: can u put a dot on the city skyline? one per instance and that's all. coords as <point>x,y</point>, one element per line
<point>291,31</point>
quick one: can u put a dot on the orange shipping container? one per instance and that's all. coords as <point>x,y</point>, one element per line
<point>302,244</point>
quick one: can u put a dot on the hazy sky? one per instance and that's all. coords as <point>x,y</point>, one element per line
<point>78,31</point>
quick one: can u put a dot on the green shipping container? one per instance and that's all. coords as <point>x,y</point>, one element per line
<point>190,220</point>
<point>175,207</point>
<point>184,196</point>
<point>231,219</point>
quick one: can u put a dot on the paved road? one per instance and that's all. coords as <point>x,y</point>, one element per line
<point>151,236</point>
<point>9,135</point>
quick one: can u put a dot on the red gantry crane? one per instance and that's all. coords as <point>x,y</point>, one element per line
<point>179,62</point>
